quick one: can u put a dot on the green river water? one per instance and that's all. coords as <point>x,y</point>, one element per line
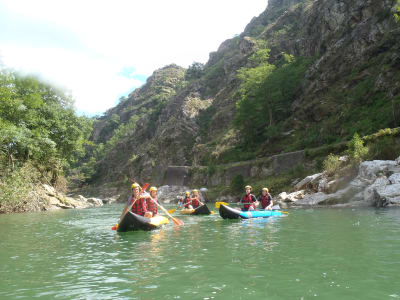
<point>308,254</point>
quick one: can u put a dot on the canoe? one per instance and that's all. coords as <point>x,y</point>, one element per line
<point>227,212</point>
<point>132,221</point>
<point>201,210</point>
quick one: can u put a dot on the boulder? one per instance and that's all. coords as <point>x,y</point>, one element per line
<point>310,182</point>
<point>370,170</point>
<point>95,202</point>
<point>292,197</point>
<point>171,193</point>
<point>394,178</point>
<point>49,190</point>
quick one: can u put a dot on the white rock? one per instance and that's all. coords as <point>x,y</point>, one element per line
<point>308,180</point>
<point>379,183</point>
<point>398,160</point>
<point>323,185</point>
<point>95,201</point>
<point>371,169</point>
<point>395,178</point>
<point>49,190</point>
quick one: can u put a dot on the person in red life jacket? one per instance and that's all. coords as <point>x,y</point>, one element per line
<point>139,202</point>
<point>187,201</point>
<point>265,199</point>
<point>196,199</point>
<point>249,201</point>
<point>151,205</point>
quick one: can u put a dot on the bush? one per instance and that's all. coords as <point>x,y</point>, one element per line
<point>385,148</point>
<point>16,189</point>
<point>356,150</point>
<point>237,183</point>
<point>332,164</point>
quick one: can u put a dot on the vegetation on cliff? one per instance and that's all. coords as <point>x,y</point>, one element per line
<point>40,137</point>
<point>303,75</point>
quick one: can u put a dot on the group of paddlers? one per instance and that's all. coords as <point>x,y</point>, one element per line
<point>145,204</point>
<point>250,202</point>
<point>142,203</point>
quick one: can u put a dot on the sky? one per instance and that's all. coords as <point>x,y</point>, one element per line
<point>102,50</point>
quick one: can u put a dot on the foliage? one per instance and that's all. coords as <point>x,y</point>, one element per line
<point>332,164</point>
<point>38,122</point>
<point>237,184</point>
<point>16,187</point>
<point>385,148</point>
<point>397,13</point>
<point>194,71</point>
<point>266,93</point>
<point>356,150</point>
<point>40,136</point>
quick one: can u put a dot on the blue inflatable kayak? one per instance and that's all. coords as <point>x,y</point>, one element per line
<point>227,212</point>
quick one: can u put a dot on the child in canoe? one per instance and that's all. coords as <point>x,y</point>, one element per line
<point>139,202</point>
<point>187,201</point>
<point>196,199</point>
<point>248,201</point>
<point>265,199</point>
<point>150,201</point>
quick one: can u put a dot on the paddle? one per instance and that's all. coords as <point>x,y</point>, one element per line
<point>171,211</point>
<point>175,220</point>
<point>218,204</point>
<point>115,227</point>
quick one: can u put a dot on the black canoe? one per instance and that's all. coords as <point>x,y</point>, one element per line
<point>202,210</point>
<point>132,221</point>
<point>227,212</point>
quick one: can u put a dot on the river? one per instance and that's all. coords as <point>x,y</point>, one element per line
<point>307,254</point>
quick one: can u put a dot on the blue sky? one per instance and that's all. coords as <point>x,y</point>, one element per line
<point>102,50</point>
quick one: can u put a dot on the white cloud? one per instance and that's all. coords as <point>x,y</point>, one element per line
<point>84,45</point>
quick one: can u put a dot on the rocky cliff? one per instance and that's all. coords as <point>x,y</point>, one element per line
<point>352,83</point>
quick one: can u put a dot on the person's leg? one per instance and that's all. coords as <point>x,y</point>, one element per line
<point>148,214</point>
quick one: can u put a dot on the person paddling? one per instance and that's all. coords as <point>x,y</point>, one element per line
<point>196,199</point>
<point>187,201</point>
<point>139,206</point>
<point>151,205</point>
<point>249,201</point>
<point>265,199</point>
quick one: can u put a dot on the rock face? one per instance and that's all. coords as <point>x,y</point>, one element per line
<point>353,48</point>
<point>377,184</point>
<point>53,200</point>
<point>173,193</point>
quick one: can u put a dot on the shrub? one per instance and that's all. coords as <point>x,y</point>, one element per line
<point>356,150</point>
<point>332,164</point>
<point>237,183</point>
<point>16,189</point>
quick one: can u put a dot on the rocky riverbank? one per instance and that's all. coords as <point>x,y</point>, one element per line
<point>51,199</point>
<point>377,184</point>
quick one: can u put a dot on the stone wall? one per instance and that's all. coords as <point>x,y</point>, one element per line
<point>223,174</point>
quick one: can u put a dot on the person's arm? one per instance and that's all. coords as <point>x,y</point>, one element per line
<point>144,205</point>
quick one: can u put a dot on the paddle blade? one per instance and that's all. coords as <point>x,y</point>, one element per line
<point>115,227</point>
<point>212,212</point>
<point>218,204</point>
<point>171,211</point>
<point>177,222</point>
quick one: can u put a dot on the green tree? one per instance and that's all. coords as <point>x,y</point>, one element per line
<point>266,94</point>
<point>195,71</point>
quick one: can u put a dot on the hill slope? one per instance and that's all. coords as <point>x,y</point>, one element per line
<point>333,69</point>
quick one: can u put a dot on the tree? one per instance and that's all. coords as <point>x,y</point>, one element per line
<point>195,71</point>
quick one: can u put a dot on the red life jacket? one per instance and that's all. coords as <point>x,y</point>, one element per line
<point>187,201</point>
<point>140,207</point>
<point>196,201</point>
<point>247,202</point>
<point>265,200</point>
<point>151,206</point>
